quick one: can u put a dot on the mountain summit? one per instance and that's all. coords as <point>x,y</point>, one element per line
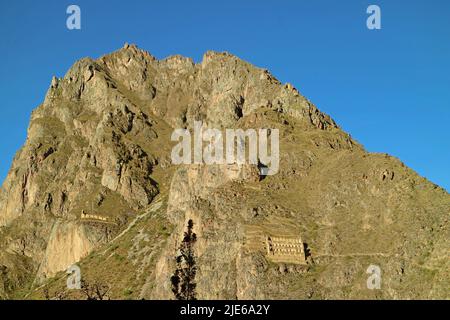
<point>94,185</point>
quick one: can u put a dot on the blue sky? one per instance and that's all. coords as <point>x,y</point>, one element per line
<point>389,88</point>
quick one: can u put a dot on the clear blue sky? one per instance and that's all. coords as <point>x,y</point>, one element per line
<point>390,88</point>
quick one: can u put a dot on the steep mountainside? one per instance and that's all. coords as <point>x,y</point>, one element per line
<point>94,184</point>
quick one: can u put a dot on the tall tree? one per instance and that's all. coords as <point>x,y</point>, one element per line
<point>183,279</point>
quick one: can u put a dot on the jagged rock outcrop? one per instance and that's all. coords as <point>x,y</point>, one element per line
<point>85,185</point>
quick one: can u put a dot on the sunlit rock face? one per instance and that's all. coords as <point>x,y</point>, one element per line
<point>94,184</point>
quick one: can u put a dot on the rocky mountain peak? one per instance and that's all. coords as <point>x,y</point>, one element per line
<point>94,184</point>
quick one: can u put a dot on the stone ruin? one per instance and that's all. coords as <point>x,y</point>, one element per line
<point>87,216</point>
<point>285,250</point>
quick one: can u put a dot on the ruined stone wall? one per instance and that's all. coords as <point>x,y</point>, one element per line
<point>287,250</point>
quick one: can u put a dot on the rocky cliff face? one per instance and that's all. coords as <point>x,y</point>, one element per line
<point>94,184</point>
